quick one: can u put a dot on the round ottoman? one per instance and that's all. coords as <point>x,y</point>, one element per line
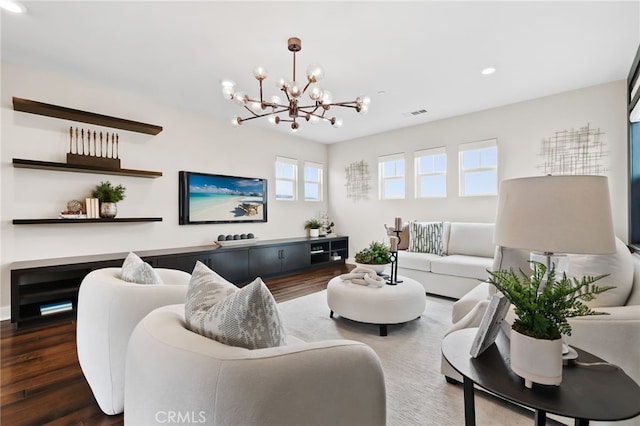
<point>389,304</point>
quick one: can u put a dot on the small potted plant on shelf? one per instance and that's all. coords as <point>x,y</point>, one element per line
<point>313,225</point>
<point>542,305</point>
<point>109,196</point>
<point>376,256</point>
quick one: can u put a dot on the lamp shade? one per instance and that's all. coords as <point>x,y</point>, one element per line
<point>557,214</point>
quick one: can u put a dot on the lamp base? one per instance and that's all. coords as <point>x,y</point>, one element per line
<point>559,262</point>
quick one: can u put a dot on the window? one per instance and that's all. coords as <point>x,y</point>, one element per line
<point>391,176</point>
<point>479,168</point>
<point>286,178</point>
<point>431,173</point>
<point>312,181</point>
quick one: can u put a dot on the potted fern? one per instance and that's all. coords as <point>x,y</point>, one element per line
<point>542,306</point>
<point>376,256</point>
<point>109,196</point>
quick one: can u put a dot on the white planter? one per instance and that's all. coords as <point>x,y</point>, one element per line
<point>378,268</point>
<point>314,233</point>
<point>536,360</point>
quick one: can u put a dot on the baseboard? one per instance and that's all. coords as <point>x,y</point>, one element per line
<point>5,313</point>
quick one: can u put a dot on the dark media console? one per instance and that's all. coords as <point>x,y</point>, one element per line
<point>39,283</point>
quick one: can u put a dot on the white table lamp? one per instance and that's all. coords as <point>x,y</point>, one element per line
<point>554,215</point>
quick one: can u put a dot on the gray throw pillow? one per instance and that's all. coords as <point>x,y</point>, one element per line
<point>206,288</point>
<point>246,317</point>
<point>426,237</point>
<point>135,270</point>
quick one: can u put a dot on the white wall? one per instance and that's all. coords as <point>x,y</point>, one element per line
<point>519,130</point>
<point>202,143</point>
<point>188,142</point>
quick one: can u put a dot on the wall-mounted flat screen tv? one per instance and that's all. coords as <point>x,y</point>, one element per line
<point>212,198</point>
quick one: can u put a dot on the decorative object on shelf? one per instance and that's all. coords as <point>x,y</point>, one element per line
<point>73,211</point>
<point>542,305</point>
<point>358,181</point>
<point>109,196</point>
<point>74,206</point>
<point>552,215</point>
<point>105,154</point>
<point>376,256</point>
<point>321,100</point>
<point>236,239</point>
<point>313,225</point>
<point>327,225</point>
<point>574,152</point>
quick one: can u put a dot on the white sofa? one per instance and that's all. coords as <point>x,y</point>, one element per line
<point>108,311</point>
<point>469,252</point>
<point>174,375</point>
<point>614,337</point>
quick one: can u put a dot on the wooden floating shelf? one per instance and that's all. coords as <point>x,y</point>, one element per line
<point>68,221</point>
<point>49,165</point>
<point>41,108</point>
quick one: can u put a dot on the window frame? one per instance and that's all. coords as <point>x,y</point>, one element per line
<point>382,179</point>
<point>430,152</point>
<point>293,162</point>
<point>477,146</point>
<point>319,182</point>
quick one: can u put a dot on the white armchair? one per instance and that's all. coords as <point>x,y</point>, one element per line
<point>614,337</point>
<point>174,373</point>
<point>108,311</point>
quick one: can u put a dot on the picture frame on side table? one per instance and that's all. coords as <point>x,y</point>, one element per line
<point>490,324</point>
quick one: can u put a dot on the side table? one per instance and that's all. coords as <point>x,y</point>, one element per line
<point>598,392</point>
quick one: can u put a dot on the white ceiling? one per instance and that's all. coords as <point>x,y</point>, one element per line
<point>406,56</point>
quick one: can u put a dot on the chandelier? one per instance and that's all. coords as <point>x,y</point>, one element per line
<point>291,110</point>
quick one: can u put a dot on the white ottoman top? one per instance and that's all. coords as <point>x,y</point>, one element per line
<point>389,304</point>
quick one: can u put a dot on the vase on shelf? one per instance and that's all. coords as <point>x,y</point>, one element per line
<point>108,210</point>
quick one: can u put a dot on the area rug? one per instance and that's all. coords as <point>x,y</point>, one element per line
<point>417,394</point>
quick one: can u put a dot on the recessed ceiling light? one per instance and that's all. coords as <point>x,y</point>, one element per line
<point>488,71</point>
<point>12,6</point>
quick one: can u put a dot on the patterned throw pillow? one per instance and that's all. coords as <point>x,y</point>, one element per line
<point>246,317</point>
<point>135,270</point>
<point>206,288</point>
<point>426,237</point>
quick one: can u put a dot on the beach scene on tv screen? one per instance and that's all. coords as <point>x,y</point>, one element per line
<point>215,198</point>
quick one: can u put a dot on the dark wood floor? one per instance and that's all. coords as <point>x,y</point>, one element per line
<point>41,380</point>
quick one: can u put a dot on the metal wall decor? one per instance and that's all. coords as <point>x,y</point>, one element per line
<point>574,152</point>
<point>358,181</point>
<point>89,148</point>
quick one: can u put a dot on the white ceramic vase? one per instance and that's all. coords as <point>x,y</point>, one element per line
<point>314,233</point>
<point>378,268</point>
<point>536,360</point>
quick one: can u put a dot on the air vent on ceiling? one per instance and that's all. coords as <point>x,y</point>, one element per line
<point>414,113</point>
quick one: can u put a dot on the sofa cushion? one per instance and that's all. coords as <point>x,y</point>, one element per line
<point>417,261</point>
<point>618,266</point>
<point>471,239</point>
<point>136,270</point>
<point>462,266</point>
<point>426,237</point>
<point>246,318</point>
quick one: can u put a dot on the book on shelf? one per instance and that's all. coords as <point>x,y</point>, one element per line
<point>53,308</point>
<point>92,207</point>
